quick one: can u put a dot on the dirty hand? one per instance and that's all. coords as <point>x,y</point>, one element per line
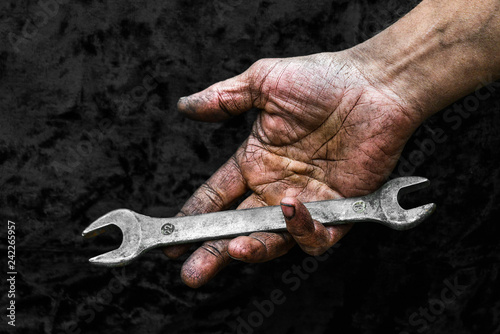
<point>325,131</point>
<point>334,124</point>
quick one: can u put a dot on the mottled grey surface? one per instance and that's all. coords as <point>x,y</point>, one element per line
<point>88,124</point>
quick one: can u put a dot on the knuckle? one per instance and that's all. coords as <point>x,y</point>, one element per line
<point>212,195</point>
<point>247,252</point>
<point>263,62</point>
<point>286,238</point>
<point>218,249</point>
<point>260,69</point>
<point>212,250</point>
<point>224,100</point>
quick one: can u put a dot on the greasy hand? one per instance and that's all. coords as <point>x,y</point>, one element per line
<point>326,130</point>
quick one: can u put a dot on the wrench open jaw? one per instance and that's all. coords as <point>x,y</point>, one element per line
<point>394,216</point>
<point>141,233</point>
<point>130,246</point>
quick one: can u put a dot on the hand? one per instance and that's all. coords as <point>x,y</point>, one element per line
<point>326,130</point>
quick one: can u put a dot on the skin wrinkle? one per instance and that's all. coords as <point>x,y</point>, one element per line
<point>234,180</point>
<point>222,104</point>
<point>258,132</point>
<point>327,79</point>
<point>303,191</point>
<point>195,205</point>
<point>373,136</point>
<point>238,167</point>
<point>320,187</point>
<point>250,152</point>
<point>262,242</point>
<point>217,200</point>
<point>274,110</point>
<point>260,92</point>
<point>332,140</point>
<point>381,147</point>
<point>305,166</point>
<point>212,250</point>
<point>408,101</point>
<point>259,199</point>
<point>307,169</point>
<point>251,201</point>
<point>285,110</point>
<point>190,274</point>
<point>299,86</point>
<point>369,157</point>
<point>291,82</point>
<point>339,128</point>
<point>364,121</point>
<point>262,189</point>
<point>344,128</point>
<point>277,122</point>
<point>313,131</point>
<point>287,238</point>
<point>300,104</point>
<point>290,142</point>
<point>332,149</point>
<point>265,247</point>
<point>231,178</point>
<point>280,75</point>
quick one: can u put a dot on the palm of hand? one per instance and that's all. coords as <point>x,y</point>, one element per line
<point>324,132</point>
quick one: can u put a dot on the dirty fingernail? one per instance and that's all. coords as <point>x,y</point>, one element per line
<point>233,257</point>
<point>288,210</point>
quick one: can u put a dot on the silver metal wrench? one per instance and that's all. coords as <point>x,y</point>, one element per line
<point>141,233</point>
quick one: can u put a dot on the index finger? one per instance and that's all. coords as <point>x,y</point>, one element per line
<point>218,193</point>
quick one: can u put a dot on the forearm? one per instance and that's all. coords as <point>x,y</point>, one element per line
<point>439,52</point>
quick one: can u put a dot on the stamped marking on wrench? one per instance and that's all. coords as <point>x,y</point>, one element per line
<point>359,206</point>
<point>141,233</point>
<point>167,229</point>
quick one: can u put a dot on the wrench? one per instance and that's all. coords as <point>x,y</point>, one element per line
<point>141,233</point>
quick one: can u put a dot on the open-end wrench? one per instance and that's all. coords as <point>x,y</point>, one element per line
<point>141,233</point>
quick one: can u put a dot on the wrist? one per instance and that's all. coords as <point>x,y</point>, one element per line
<point>438,53</point>
<point>408,111</point>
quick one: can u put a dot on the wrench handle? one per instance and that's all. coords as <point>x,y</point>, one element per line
<point>159,232</point>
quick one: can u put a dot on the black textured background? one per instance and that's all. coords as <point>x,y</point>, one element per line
<point>88,124</point>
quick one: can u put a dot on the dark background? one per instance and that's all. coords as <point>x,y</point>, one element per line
<point>89,124</point>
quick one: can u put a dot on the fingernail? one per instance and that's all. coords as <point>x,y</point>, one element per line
<point>288,210</point>
<point>185,106</point>
<point>233,257</point>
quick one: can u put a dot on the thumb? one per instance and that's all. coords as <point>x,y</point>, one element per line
<point>220,101</point>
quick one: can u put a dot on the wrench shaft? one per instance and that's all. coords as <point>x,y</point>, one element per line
<point>158,232</point>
